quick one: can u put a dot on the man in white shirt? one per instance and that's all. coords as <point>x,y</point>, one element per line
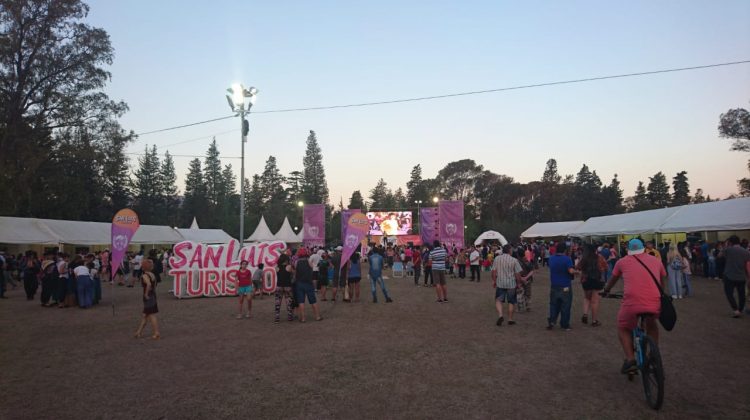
<point>314,260</point>
<point>474,259</point>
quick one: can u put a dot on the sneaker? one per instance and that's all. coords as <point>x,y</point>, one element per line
<point>247,316</point>
<point>550,327</point>
<point>388,300</point>
<point>628,366</point>
<point>499,321</point>
<point>439,301</point>
<point>568,329</point>
<point>511,322</point>
<point>445,300</point>
<point>585,319</point>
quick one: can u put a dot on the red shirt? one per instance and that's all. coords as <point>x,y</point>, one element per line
<point>639,288</point>
<point>243,277</point>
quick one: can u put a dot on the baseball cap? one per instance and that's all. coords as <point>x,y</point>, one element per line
<point>635,247</point>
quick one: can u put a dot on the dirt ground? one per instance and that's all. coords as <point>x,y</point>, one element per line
<point>413,358</point>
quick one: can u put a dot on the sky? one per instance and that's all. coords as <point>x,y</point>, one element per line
<point>175,59</point>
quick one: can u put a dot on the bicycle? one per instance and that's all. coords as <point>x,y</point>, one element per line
<point>648,360</point>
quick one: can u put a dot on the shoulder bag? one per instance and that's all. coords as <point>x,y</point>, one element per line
<point>667,315</point>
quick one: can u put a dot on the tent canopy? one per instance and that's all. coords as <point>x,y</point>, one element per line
<point>205,236</point>
<point>20,230</point>
<point>491,235</point>
<point>262,232</point>
<point>286,234</point>
<point>636,223</point>
<point>551,229</point>
<point>714,216</point>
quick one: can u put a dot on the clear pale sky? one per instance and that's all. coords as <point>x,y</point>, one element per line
<point>174,60</point>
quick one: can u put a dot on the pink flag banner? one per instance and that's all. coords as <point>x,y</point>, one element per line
<point>314,224</point>
<point>345,215</point>
<point>451,217</point>
<point>124,225</point>
<point>428,224</point>
<point>356,230</point>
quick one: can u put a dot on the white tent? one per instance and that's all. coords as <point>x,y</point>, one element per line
<point>154,234</point>
<point>301,236</point>
<point>262,232</point>
<point>491,235</point>
<point>286,234</point>
<point>724,215</point>
<point>205,236</point>
<point>194,225</point>
<point>551,229</point>
<point>636,223</point>
<point>20,230</point>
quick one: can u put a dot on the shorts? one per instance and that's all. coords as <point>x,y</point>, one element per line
<point>303,289</point>
<point>323,282</point>
<point>506,295</point>
<point>257,284</point>
<point>316,275</point>
<point>593,284</point>
<point>354,279</point>
<point>245,290</point>
<point>438,277</point>
<point>627,317</point>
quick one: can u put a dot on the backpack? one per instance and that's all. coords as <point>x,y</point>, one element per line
<point>676,264</point>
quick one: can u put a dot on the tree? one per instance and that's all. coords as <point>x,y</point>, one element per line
<point>168,179</point>
<point>272,182</point>
<point>52,78</point>
<point>640,200</point>
<point>698,197</point>
<point>147,187</point>
<point>357,201</point>
<point>314,185</point>
<point>414,188</point>
<point>399,200</point>
<point>658,191</point>
<point>744,183</point>
<point>458,178</point>
<point>681,188</point>
<point>550,175</point>
<point>612,197</point>
<point>212,174</point>
<point>195,204</point>
<point>735,124</point>
<point>379,196</point>
<point>294,186</point>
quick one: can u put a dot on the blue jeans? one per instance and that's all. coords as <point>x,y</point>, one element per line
<point>377,277</point>
<point>711,267</point>
<point>85,291</point>
<point>560,303</point>
<point>686,285</point>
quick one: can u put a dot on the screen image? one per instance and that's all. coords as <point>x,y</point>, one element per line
<point>390,223</point>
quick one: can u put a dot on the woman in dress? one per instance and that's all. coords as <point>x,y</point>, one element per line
<point>150,308</point>
<point>675,265</point>
<point>592,266</point>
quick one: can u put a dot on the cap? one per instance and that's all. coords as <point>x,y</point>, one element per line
<point>635,247</point>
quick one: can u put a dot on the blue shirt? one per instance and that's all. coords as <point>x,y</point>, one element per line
<point>376,262</point>
<point>605,253</point>
<point>558,270</point>
<point>354,270</point>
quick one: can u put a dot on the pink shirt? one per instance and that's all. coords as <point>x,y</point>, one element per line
<point>639,288</point>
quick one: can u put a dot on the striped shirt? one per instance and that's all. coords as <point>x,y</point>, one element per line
<point>506,268</point>
<point>438,256</point>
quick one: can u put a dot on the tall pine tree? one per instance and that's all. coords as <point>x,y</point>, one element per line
<point>314,185</point>
<point>658,191</point>
<point>414,188</point>
<point>148,187</point>
<point>681,189</point>
<point>170,200</point>
<point>195,204</point>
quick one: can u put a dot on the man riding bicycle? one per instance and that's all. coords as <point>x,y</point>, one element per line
<point>640,296</point>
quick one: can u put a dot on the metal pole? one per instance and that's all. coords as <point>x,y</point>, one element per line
<point>242,176</point>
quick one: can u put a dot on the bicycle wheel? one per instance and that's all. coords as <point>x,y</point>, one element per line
<point>652,373</point>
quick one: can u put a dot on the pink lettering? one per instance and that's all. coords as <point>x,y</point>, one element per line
<point>213,255</point>
<point>178,260</point>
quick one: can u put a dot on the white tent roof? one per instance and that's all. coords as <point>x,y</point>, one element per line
<point>194,225</point>
<point>205,236</point>
<point>301,236</point>
<point>717,215</point>
<point>551,229</point>
<point>262,232</point>
<point>286,234</point>
<point>647,221</point>
<point>491,235</point>
<point>20,230</point>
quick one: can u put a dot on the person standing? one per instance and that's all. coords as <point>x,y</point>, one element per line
<point>461,262</point>
<point>736,274</point>
<point>427,264</point>
<point>417,263</point>
<point>244,289</point>
<point>506,274</point>
<point>675,265</point>
<point>338,280</point>
<point>592,267</point>
<point>474,263</point>
<point>284,287</point>
<point>257,279</point>
<point>62,280</point>
<point>686,288</point>
<point>376,275</point>
<point>354,276</point>
<point>3,267</point>
<point>438,257</point>
<point>31,276</point>
<point>85,285</point>
<point>150,306</point>
<point>561,296</point>
<point>525,286</point>
<point>323,265</point>
<point>49,280</point>
<point>305,288</point>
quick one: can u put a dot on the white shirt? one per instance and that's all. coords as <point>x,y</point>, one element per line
<point>137,262</point>
<point>314,260</point>
<point>62,268</point>
<point>474,257</point>
<point>82,270</point>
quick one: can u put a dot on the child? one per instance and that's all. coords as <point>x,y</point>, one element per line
<point>244,289</point>
<point>258,280</point>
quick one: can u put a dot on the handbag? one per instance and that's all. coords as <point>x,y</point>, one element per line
<point>667,315</point>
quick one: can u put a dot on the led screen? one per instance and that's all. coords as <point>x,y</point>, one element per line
<point>390,223</point>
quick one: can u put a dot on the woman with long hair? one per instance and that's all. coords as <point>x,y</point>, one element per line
<point>675,264</point>
<point>685,285</point>
<point>592,267</point>
<point>150,308</point>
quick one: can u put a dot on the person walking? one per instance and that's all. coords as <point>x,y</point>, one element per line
<point>525,287</point>
<point>474,263</point>
<point>339,280</point>
<point>417,262</point>
<point>245,289</point>
<point>438,257</point>
<point>49,281</point>
<point>305,288</point>
<point>506,274</point>
<point>736,274</point>
<point>686,288</point>
<point>561,296</point>
<point>675,265</point>
<point>427,265</point>
<point>592,267</point>
<point>376,275</point>
<point>150,306</point>
<point>284,287</point>
<point>31,276</point>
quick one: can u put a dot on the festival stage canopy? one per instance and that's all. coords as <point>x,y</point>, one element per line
<point>286,234</point>
<point>262,232</point>
<point>204,236</point>
<point>551,229</point>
